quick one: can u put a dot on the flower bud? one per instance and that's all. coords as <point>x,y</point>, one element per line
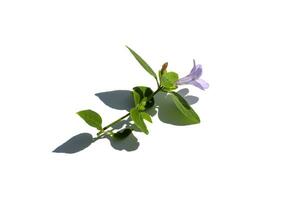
<point>164,67</point>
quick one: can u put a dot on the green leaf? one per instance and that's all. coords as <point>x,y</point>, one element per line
<point>185,108</point>
<point>141,93</point>
<point>138,120</point>
<point>91,118</point>
<point>136,97</point>
<point>142,105</point>
<point>168,80</point>
<point>146,116</point>
<point>143,63</point>
<point>120,135</point>
<point>159,75</point>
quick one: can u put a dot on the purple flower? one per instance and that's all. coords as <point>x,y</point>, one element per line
<point>194,78</point>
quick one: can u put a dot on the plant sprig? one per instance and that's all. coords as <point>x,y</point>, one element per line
<point>143,97</point>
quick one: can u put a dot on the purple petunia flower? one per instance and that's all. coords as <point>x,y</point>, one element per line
<point>194,78</point>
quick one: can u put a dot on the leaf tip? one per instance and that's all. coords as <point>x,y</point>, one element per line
<point>128,48</point>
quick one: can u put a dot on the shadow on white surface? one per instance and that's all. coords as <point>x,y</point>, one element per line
<point>75,144</point>
<point>166,109</point>
<point>83,140</point>
<point>122,100</point>
<point>117,99</point>
<point>130,143</point>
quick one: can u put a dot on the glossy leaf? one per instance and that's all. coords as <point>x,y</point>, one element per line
<point>160,73</point>
<point>141,93</point>
<point>136,97</point>
<point>138,120</point>
<point>168,80</point>
<point>146,116</point>
<point>142,105</point>
<point>185,108</point>
<point>91,118</point>
<point>143,63</point>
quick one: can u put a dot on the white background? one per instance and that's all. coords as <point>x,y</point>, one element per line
<point>55,55</point>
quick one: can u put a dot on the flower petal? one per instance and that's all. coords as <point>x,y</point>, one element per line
<point>200,83</point>
<point>185,80</point>
<point>197,72</point>
<point>194,67</point>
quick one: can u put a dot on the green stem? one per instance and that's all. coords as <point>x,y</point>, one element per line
<point>103,133</point>
<point>154,93</point>
<point>158,86</point>
<point>115,122</point>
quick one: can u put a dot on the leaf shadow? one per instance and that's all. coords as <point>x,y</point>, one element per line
<point>130,143</point>
<point>117,99</point>
<point>83,140</point>
<point>122,100</point>
<point>75,144</point>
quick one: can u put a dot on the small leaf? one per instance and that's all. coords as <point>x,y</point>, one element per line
<point>146,116</point>
<point>143,92</point>
<point>91,118</point>
<point>168,80</point>
<point>142,105</point>
<point>136,97</point>
<point>138,120</point>
<point>143,63</point>
<point>185,108</point>
<point>159,75</point>
<point>120,135</point>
